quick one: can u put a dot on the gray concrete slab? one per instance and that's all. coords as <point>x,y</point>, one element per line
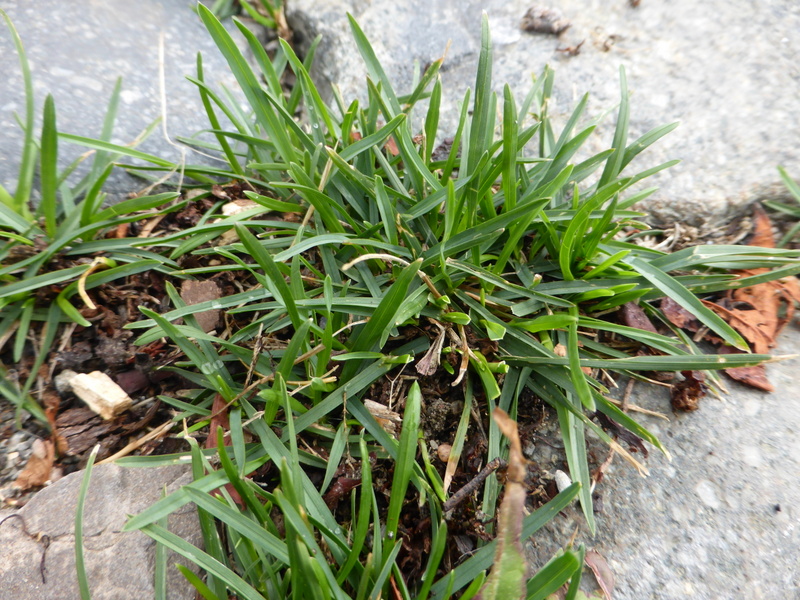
<point>726,69</point>
<point>721,520</point>
<point>78,49</point>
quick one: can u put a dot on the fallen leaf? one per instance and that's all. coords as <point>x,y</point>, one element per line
<point>762,228</point>
<point>686,393</point>
<point>635,443</point>
<point>633,315</point>
<point>391,147</point>
<point>602,572</point>
<point>679,316</point>
<point>755,376</point>
<point>340,488</point>
<point>427,365</point>
<point>40,465</point>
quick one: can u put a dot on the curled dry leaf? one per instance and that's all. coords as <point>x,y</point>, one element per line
<point>759,312</point>
<point>507,579</point>
<point>755,376</point>
<point>686,393</point>
<point>427,365</point>
<point>40,465</point>
<point>386,418</point>
<point>540,19</point>
<point>602,572</point>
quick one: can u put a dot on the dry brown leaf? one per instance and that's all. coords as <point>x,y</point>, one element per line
<point>428,364</point>
<point>391,147</point>
<point>755,376</point>
<point>759,312</point>
<point>602,572</point>
<point>686,394</point>
<point>633,315</point>
<point>762,228</point>
<point>754,325</point>
<point>40,465</point>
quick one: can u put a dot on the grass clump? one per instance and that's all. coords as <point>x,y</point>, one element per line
<point>489,263</point>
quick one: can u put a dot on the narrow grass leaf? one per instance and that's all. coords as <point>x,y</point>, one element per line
<point>552,576</point>
<point>405,462</point>
<point>672,288</point>
<point>80,566</point>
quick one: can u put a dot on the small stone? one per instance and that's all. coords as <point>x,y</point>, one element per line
<point>443,452</point>
<point>562,481</point>
<point>540,19</point>
<point>63,381</point>
<point>707,492</point>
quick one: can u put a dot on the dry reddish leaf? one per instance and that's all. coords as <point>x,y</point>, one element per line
<point>340,488</point>
<point>219,418</point>
<point>391,147</point>
<point>754,325</point>
<point>755,376</point>
<point>679,316</point>
<point>40,465</point>
<point>632,315</point>
<point>759,312</point>
<point>762,228</point>
<point>602,572</point>
<point>686,394</point>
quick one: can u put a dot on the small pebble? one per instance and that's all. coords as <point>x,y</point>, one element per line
<point>562,481</point>
<point>443,452</point>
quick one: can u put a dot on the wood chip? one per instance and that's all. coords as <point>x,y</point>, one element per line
<point>101,394</point>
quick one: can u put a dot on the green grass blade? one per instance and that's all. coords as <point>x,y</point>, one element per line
<point>263,258</point>
<point>614,163</point>
<point>203,560</point>
<point>672,288</point>
<point>368,337</point>
<point>80,566</point>
<point>48,171</point>
<point>256,97</point>
<point>552,576</point>
<point>28,162</point>
<point>404,465</point>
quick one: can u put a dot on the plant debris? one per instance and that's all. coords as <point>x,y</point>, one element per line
<point>541,19</point>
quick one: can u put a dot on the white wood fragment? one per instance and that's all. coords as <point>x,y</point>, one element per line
<point>101,394</point>
<point>238,206</point>
<point>387,418</point>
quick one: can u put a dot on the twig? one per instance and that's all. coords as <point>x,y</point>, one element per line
<point>627,395</point>
<point>473,485</point>
<point>40,538</point>
<point>157,432</point>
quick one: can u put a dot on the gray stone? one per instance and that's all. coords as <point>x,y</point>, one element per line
<point>714,523</point>
<point>119,565</point>
<point>726,69</point>
<point>77,50</point>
